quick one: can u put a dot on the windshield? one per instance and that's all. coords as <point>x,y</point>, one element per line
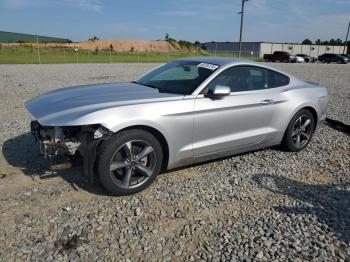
<point>178,77</point>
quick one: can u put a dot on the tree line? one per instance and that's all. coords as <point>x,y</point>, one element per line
<point>337,41</point>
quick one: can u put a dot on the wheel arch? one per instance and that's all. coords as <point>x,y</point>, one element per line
<point>308,107</point>
<point>313,112</point>
<point>285,143</point>
<point>158,135</point>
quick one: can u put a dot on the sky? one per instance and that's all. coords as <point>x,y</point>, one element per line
<point>192,20</point>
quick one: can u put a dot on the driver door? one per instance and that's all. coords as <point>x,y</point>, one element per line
<point>237,121</point>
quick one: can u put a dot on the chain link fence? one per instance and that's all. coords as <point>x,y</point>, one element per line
<point>244,54</point>
<point>48,55</point>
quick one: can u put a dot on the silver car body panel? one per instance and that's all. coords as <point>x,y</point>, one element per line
<point>195,127</point>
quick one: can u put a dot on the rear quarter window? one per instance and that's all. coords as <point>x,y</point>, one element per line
<point>276,79</point>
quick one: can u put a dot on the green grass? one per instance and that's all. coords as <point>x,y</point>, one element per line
<point>53,55</point>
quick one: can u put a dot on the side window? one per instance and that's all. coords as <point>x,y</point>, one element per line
<point>242,78</point>
<point>257,78</point>
<point>249,78</point>
<point>277,79</point>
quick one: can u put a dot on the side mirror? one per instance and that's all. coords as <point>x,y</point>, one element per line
<point>219,91</point>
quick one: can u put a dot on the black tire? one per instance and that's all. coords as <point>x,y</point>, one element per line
<point>290,139</point>
<point>113,180</point>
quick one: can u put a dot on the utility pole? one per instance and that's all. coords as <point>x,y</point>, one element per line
<point>37,42</point>
<point>110,52</point>
<point>241,29</point>
<point>346,40</point>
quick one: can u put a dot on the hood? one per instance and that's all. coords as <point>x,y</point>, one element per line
<point>73,102</point>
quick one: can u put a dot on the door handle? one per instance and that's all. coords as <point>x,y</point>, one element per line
<point>266,102</point>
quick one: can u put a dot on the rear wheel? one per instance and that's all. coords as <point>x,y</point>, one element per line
<point>299,131</point>
<point>129,162</point>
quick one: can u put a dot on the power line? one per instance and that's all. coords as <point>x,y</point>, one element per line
<point>241,28</point>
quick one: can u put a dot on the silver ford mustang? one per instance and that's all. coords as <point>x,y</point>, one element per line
<point>182,112</point>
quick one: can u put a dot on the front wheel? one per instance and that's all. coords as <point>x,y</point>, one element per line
<point>129,161</point>
<point>299,131</point>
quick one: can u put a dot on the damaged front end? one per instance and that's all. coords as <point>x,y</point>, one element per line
<point>65,142</point>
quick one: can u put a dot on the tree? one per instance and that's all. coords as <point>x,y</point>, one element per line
<point>94,38</point>
<point>167,36</point>
<point>332,42</point>
<point>184,44</point>
<point>307,42</point>
<point>339,41</point>
<point>318,42</point>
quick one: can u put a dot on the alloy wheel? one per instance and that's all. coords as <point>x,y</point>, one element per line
<point>133,164</point>
<point>301,132</point>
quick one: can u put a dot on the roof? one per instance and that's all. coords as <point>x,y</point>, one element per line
<point>10,37</point>
<point>223,61</point>
<point>220,61</point>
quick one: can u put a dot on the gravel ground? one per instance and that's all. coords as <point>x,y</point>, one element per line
<point>266,205</point>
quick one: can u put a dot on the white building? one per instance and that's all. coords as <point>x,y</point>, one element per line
<point>261,48</point>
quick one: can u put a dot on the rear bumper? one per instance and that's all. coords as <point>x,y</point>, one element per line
<point>321,123</point>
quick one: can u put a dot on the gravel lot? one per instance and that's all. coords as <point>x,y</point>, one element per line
<point>266,205</point>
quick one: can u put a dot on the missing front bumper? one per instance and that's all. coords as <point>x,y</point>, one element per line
<point>64,142</point>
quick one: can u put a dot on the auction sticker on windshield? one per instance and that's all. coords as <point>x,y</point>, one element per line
<point>208,66</point>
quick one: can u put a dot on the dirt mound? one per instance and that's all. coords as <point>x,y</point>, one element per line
<point>127,45</point>
<point>118,45</point>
